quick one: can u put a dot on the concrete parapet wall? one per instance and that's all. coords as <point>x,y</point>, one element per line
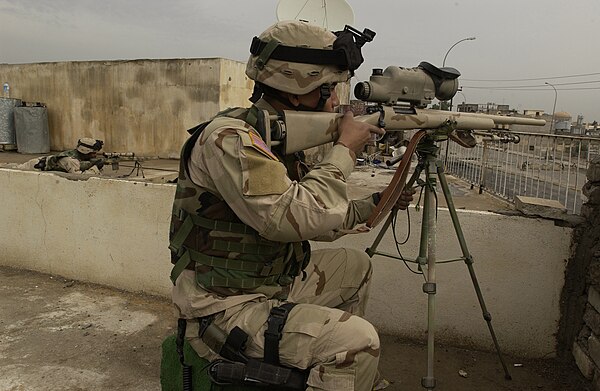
<point>519,263</point>
<point>105,231</point>
<point>115,232</point>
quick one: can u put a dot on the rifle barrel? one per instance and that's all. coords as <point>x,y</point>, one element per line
<point>502,119</point>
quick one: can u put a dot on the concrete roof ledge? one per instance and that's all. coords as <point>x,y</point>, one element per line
<point>546,209</point>
<point>540,207</point>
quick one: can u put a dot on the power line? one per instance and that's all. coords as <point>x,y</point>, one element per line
<point>530,89</point>
<point>537,78</point>
<point>541,85</point>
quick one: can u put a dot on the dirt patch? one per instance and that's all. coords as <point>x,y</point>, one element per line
<point>405,362</point>
<point>58,334</point>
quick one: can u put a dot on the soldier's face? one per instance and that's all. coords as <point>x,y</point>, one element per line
<point>312,99</point>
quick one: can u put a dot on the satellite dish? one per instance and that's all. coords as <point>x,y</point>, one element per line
<point>331,14</point>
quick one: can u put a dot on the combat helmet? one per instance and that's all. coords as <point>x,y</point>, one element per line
<point>88,145</point>
<point>298,57</point>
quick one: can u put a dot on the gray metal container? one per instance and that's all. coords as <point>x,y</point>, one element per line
<point>31,127</point>
<point>7,122</point>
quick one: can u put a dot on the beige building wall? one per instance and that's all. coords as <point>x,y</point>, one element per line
<point>143,106</point>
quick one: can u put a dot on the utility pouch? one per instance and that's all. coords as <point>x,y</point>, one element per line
<point>230,346</point>
<point>255,372</point>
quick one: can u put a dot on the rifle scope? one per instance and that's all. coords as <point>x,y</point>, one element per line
<point>417,86</point>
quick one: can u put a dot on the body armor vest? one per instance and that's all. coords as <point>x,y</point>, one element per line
<point>228,256</point>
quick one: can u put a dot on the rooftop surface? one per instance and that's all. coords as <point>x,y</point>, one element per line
<point>58,334</point>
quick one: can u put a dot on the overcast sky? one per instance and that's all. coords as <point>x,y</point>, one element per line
<point>546,40</point>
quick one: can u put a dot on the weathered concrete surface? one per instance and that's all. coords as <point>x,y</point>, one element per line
<point>58,334</point>
<point>106,231</point>
<point>63,335</point>
<point>139,105</point>
<point>533,206</point>
<point>144,106</point>
<point>115,232</point>
<point>520,267</point>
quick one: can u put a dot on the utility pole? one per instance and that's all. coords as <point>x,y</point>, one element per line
<point>554,107</point>
<point>444,62</point>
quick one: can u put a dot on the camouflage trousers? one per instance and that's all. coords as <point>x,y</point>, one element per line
<point>325,331</point>
<point>67,164</point>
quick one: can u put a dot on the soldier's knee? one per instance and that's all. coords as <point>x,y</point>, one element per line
<point>369,333</point>
<point>358,334</point>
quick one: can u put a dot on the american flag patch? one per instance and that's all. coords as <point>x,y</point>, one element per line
<point>260,145</point>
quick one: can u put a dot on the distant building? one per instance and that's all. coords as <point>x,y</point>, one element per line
<point>533,113</point>
<point>487,108</point>
<point>578,128</point>
<point>503,109</point>
<point>593,129</point>
<point>562,122</point>
<point>468,107</point>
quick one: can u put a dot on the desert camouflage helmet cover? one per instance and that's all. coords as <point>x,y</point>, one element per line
<point>88,145</point>
<point>294,77</point>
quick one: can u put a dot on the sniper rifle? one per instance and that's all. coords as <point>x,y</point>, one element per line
<point>396,100</point>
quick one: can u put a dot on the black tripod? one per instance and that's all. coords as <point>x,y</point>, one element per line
<point>137,165</point>
<point>427,152</point>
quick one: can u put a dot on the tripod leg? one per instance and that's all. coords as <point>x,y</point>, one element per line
<point>137,165</point>
<point>371,250</point>
<point>469,262</point>
<point>428,243</point>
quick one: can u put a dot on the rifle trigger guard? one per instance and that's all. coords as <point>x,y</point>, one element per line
<point>381,120</point>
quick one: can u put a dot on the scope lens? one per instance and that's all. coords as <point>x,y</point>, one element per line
<point>362,90</point>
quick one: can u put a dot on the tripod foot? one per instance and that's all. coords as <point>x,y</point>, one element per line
<point>428,382</point>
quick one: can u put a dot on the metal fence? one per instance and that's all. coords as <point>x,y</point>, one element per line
<point>546,166</point>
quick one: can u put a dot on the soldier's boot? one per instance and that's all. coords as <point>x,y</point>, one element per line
<point>380,382</point>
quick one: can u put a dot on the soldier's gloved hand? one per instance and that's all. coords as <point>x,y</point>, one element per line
<point>406,197</point>
<point>99,163</point>
<point>354,135</point>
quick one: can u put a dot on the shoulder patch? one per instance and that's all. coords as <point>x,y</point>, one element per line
<point>258,144</point>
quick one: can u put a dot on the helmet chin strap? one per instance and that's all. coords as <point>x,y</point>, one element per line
<point>324,95</point>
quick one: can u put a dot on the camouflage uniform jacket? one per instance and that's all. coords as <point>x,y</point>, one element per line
<point>67,161</point>
<point>231,161</point>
